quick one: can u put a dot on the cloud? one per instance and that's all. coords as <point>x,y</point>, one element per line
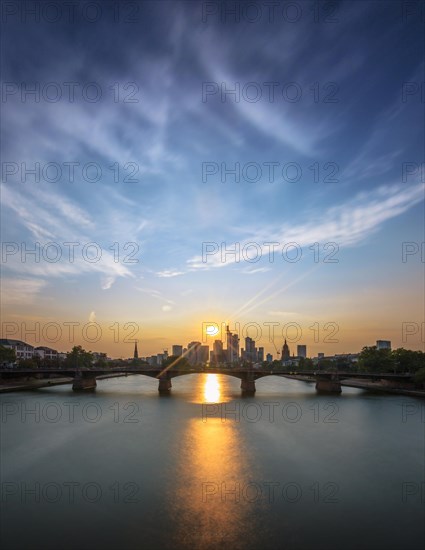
<point>256,270</point>
<point>168,273</point>
<point>345,225</point>
<point>107,282</point>
<point>186,292</point>
<point>52,219</point>
<point>166,308</point>
<point>155,294</point>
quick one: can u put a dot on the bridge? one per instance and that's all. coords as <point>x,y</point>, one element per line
<point>84,379</point>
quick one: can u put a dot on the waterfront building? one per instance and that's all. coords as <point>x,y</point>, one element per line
<point>46,353</point>
<point>22,349</point>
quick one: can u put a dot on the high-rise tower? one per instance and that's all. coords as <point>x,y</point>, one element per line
<point>232,342</point>
<point>285,352</point>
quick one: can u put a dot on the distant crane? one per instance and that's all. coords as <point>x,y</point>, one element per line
<point>277,351</point>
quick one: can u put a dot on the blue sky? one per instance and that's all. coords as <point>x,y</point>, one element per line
<point>165,59</point>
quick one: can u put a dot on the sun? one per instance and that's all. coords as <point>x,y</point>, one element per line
<point>211,330</point>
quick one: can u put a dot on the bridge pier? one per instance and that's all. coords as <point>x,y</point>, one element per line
<point>328,385</point>
<point>164,385</point>
<point>248,386</point>
<point>84,384</point>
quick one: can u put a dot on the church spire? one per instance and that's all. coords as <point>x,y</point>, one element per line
<point>136,353</point>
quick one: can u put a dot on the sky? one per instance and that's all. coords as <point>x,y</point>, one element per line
<point>160,136</point>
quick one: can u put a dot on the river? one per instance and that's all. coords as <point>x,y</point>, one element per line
<point>205,468</point>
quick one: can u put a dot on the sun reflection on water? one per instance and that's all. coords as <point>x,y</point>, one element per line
<point>211,453</point>
<point>212,388</point>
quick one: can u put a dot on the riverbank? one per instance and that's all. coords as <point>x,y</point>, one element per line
<point>366,385</point>
<point>382,388</point>
<point>33,384</point>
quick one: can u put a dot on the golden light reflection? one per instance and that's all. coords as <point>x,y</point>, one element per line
<point>213,468</point>
<point>212,389</point>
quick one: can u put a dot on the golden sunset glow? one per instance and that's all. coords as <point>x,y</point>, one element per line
<point>211,330</point>
<point>212,389</point>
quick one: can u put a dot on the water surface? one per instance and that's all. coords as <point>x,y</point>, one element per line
<point>206,468</point>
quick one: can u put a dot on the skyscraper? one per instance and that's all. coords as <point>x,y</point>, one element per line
<point>232,351</point>
<point>235,349</point>
<point>193,353</point>
<point>203,354</point>
<point>302,351</point>
<point>228,344</point>
<point>177,351</point>
<point>260,356</point>
<point>217,352</point>
<point>250,349</point>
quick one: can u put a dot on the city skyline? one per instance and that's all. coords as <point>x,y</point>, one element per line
<point>249,351</point>
<point>116,339</point>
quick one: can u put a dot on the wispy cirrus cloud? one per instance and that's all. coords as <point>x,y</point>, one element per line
<point>256,270</point>
<point>52,219</point>
<point>347,224</point>
<point>167,273</point>
<point>157,295</point>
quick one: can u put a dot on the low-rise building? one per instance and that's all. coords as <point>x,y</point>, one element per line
<point>99,356</point>
<point>46,353</point>
<point>21,349</point>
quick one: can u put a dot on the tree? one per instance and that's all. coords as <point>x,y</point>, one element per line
<point>305,363</point>
<point>7,355</point>
<point>50,363</point>
<point>342,363</point>
<point>372,359</point>
<point>325,364</point>
<point>101,363</point>
<point>27,364</point>
<point>78,358</point>
<point>407,360</point>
